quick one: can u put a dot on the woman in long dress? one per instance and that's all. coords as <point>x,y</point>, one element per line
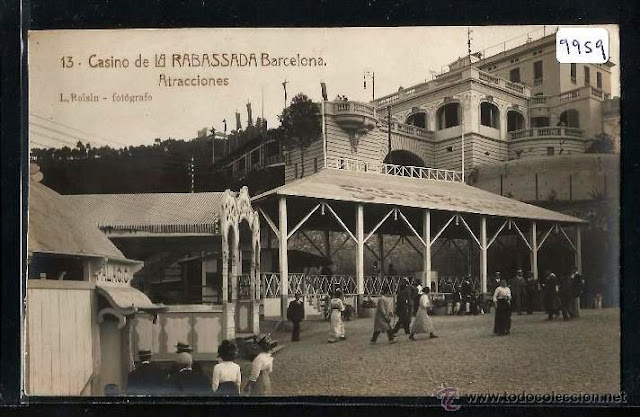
<point>423,323</point>
<point>337,325</point>
<point>261,368</point>
<point>502,300</point>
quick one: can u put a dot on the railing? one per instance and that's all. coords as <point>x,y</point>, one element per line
<point>538,100</point>
<point>515,87</point>
<point>349,164</point>
<point>353,107</point>
<point>546,132</point>
<point>488,78</point>
<point>469,73</point>
<point>569,95</point>
<point>269,285</point>
<point>596,93</point>
<point>307,284</point>
<point>383,284</point>
<point>313,285</point>
<point>405,128</point>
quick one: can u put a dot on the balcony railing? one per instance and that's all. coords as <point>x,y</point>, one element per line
<point>353,107</point>
<point>586,91</point>
<point>546,132</point>
<point>405,128</point>
<point>356,165</point>
<point>469,73</point>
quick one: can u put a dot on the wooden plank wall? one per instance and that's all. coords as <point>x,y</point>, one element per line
<point>59,349</point>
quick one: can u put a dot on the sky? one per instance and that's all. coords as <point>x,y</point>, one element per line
<point>398,56</point>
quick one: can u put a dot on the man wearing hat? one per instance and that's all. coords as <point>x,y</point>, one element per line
<point>518,289</point>
<point>183,347</point>
<point>404,307</point>
<point>186,381</point>
<point>295,313</point>
<point>146,378</point>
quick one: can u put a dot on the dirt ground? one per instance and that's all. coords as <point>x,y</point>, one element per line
<point>539,356</point>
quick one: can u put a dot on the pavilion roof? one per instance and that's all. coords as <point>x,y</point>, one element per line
<point>153,212</point>
<point>55,227</point>
<point>373,188</point>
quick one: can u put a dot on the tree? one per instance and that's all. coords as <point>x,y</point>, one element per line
<point>300,125</point>
<point>602,143</point>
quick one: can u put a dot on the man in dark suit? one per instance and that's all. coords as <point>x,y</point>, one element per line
<point>518,288</point>
<point>404,307</point>
<point>146,378</point>
<point>295,314</point>
<point>186,381</point>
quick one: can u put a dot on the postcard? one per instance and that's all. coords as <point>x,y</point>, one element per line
<point>295,212</point>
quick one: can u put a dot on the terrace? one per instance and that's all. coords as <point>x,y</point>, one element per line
<point>470,73</point>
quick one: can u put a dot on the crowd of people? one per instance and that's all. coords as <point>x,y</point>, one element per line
<point>186,377</point>
<point>411,300</point>
<point>519,294</point>
<point>556,296</point>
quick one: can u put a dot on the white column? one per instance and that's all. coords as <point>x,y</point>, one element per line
<point>534,249</point>
<point>360,249</point>
<point>578,257</point>
<point>426,236</point>
<point>284,262</point>
<point>483,253</point>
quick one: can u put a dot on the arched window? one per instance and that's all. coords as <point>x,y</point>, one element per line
<point>570,118</point>
<point>417,119</point>
<point>448,115</point>
<point>489,115</point>
<point>405,158</point>
<point>515,121</point>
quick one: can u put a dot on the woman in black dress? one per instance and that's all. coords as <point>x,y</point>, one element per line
<point>502,300</point>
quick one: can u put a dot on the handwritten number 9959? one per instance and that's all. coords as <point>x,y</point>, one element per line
<point>587,46</point>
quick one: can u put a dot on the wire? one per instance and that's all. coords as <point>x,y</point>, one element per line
<point>78,130</point>
<point>52,138</point>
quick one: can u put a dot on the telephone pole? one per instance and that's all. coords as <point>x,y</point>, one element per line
<point>191,166</point>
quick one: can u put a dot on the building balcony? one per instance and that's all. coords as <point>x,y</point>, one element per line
<point>546,132</point>
<point>406,130</point>
<point>354,116</point>
<point>444,80</point>
<point>576,94</point>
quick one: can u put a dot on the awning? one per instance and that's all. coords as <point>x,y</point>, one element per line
<point>128,300</point>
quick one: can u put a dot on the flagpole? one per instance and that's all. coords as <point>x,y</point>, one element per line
<point>324,132</point>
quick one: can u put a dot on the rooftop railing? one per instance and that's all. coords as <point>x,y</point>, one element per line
<point>465,74</point>
<point>356,165</point>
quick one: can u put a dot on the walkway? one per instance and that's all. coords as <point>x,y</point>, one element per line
<point>539,356</point>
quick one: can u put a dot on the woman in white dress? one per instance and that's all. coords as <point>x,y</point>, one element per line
<point>261,368</point>
<point>423,323</point>
<point>337,325</point>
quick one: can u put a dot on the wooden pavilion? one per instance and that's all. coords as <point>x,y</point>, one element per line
<point>428,204</point>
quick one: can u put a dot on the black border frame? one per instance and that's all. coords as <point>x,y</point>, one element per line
<point>68,14</point>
